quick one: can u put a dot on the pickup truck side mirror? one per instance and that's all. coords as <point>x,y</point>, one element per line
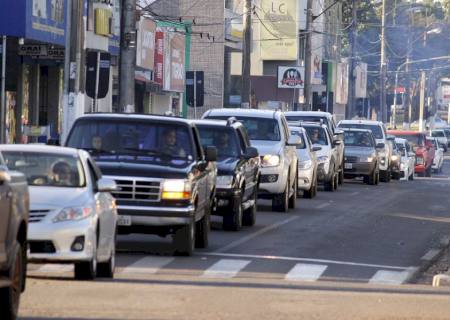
<point>211,154</point>
<point>380,145</point>
<point>4,175</point>
<point>251,152</point>
<point>337,143</point>
<point>294,141</point>
<point>315,149</point>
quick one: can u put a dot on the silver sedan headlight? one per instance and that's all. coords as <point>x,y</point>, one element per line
<point>74,214</point>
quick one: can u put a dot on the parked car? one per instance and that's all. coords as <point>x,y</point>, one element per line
<point>438,160</point>
<point>441,136</point>
<point>166,180</point>
<point>307,165</point>
<point>327,156</point>
<point>269,133</point>
<point>327,119</point>
<point>408,159</point>
<point>14,208</point>
<point>379,131</point>
<point>361,156</point>
<point>395,158</point>
<point>424,150</point>
<point>73,215</point>
<point>237,171</point>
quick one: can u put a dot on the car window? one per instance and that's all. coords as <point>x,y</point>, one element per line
<point>377,130</point>
<point>223,138</point>
<point>317,135</point>
<point>437,134</point>
<point>47,169</point>
<point>302,145</point>
<point>358,139</point>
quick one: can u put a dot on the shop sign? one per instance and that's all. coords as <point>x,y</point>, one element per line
<point>159,58</point>
<point>291,77</point>
<point>103,18</point>
<point>145,52</point>
<point>41,52</point>
<point>177,47</point>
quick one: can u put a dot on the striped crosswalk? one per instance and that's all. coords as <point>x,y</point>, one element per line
<point>228,268</point>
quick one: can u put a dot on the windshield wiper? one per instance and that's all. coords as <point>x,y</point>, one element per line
<point>143,151</point>
<point>93,150</point>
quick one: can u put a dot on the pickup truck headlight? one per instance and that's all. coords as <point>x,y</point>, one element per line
<point>224,181</point>
<point>322,159</point>
<point>419,160</point>
<point>402,166</point>
<point>74,214</point>
<point>305,165</point>
<point>270,160</point>
<point>366,159</point>
<point>176,189</point>
<point>394,157</point>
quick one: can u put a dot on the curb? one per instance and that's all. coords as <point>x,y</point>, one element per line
<point>429,259</point>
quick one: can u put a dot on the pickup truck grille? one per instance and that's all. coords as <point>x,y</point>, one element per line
<point>137,189</point>
<point>37,215</point>
<point>351,159</point>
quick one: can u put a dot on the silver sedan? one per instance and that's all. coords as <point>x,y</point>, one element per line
<point>73,216</point>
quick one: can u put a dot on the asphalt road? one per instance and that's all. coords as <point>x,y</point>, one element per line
<point>345,254</point>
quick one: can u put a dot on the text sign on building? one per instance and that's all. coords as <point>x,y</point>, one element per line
<point>159,58</point>
<point>41,51</point>
<point>291,77</point>
<point>145,52</point>
<point>177,74</point>
<point>279,30</point>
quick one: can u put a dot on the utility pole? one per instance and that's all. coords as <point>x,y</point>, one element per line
<point>66,89</point>
<point>422,99</point>
<point>246,55</point>
<point>127,56</point>
<point>2,95</point>
<point>308,54</point>
<point>383,65</point>
<point>352,83</point>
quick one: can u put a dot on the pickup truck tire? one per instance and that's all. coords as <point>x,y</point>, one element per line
<point>428,172</point>
<point>10,296</point>
<point>293,198</point>
<point>280,202</point>
<point>330,184</point>
<point>372,179</point>
<point>87,270</point>
<point>312,192</point>
<point>385,176</point>
<point>106,269</point>
<point>411,176</point>
<point>249,217</point>
<point>202,228</point>
<point>232,221</point>
<point>184,239</point>
<point>341,174</point>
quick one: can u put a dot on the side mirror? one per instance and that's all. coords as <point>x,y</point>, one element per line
<point>337,143</point>
<point>211,154</point>
<point>294,141</point>
<point>106,185</point>
<point>380,145</point>
<point>4,175</point>
<point>251,152</point>
<point>315,149</point>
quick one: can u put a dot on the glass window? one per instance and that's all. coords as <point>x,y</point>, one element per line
<point>139,140</point>
<point>415,140</point>
<point>303,143</point>
<point>317,135</point>
<point>46,169</point>
<point>223,139</point>
<point>377,131</point>
<point>358,139</point>
<point>437,134</point>
<point>257,128</point>
<point>311,119</point>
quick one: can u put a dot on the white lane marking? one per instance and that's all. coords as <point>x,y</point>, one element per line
<point>433,178</point>
<point>147,265</point>
<point>306,272</point>
<point>242,240</point>
<point>354,193</point>
<point>283,258</point>
<point>392,277</point>
<point>57,268</point>
<point>430,255</point>
<point>225,268</point>
<point>323,205</point>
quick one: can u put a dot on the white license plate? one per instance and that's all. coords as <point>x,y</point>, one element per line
<point>124,221</point>
<point>348,166</point>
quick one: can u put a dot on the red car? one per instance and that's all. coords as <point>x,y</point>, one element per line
<point>422,147</point>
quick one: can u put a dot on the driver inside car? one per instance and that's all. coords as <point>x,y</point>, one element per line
<point>62,173</point>
<point>170,147</point>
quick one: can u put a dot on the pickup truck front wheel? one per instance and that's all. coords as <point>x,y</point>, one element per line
<point>184,239</point>
<point>280,202</point>
<point>232,220</point>
<point>249,217</point>
<point>202,230</point>
<point>10,296</point>
<point>385,175</point>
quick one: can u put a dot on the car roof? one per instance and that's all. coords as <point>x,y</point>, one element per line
<point>357,130</point>
<point>321,114</point>
<point>268,114</point>
<point>367,122</point>
<point>134,116</point>
<point>40,148</point>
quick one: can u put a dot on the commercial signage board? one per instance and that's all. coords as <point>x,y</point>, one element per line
<point>177,48</point>
<point>361,80</point>
<point>279,30</point>
<point>159,58</point>
<point>41,51</point>
<point>341,91</point>
<point>145,52</point>
<point>291,77</point>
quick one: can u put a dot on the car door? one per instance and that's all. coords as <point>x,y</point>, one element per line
<point>205,174</point>
<point>104,211</point>
<point>5,213</point>
<point>290,151</point>
<point>250,166</point>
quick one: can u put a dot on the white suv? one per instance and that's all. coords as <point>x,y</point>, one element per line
<point>379,131</point>
<point>269,133</point>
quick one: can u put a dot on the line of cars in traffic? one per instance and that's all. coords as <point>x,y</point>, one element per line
<point>162,175</point>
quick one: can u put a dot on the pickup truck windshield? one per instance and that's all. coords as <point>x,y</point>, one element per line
<point>257,128</point>
<point>50,170</point>
<point>145,141</point>
<point>376,130</point>
<point>413,139</point>
<point>221,138</point>
<point>310,119</point>
<point>358,139</point>
<point>317,135</point>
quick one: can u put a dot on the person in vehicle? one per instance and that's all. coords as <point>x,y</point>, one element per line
<point>266,131</point>
<point>97,143</point>
<point>364,140</point>
<point>170,147</point>
<point>223,144</point>
<point>62,173</point>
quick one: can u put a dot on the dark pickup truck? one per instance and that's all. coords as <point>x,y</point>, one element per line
<point>14,210</point>
<point>166,181</point>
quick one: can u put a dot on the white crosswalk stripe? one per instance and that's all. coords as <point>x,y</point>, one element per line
<point>225,268</point>
<point>56,268</point>
<point>147,265</point>
<point>306,272</point>
<point>391,277</point>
